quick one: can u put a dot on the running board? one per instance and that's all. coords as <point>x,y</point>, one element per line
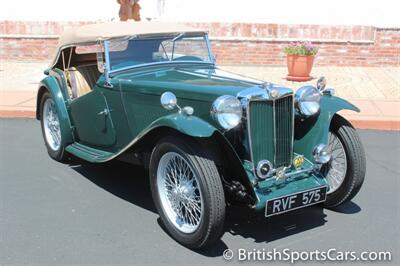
<point>87,153</point>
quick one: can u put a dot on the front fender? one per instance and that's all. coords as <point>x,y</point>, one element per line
<point>51,85</point>
<point>189,125</point>
<point>314,130</point>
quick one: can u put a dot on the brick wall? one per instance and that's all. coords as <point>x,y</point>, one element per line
<point>235,43</point>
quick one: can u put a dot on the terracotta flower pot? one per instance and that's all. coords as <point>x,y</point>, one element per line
<point>299,67</point>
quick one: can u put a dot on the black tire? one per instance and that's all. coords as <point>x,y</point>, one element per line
<point>59,154</point>
<point>356,164</point>
<point>211,224</point>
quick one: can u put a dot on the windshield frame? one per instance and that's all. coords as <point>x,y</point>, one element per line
<point>108,71</point>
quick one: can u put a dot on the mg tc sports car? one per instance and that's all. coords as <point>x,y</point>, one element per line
<point>150,93</point>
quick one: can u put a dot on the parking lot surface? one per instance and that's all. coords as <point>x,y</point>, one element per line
<point>79,213</point>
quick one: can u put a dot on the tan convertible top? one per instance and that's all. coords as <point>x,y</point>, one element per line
<point>103,31</point>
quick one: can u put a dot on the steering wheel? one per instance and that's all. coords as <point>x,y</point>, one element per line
<point>188,58</point>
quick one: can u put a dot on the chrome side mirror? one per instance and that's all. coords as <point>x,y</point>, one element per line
<point>168,100</point>
<point>321,84</point>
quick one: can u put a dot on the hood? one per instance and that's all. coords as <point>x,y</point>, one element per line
<point>203,83</point>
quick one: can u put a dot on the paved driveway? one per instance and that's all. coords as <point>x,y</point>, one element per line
<point>52,213</point>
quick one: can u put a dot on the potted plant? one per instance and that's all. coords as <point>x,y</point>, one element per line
<point>300,58</point>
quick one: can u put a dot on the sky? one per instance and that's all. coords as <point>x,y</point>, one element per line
<point>382,13</point>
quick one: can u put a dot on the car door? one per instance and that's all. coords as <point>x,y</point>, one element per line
<point>91,117</point>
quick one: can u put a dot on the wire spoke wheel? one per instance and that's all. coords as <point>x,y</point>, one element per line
<point>335,171</point>
<point>51,125</point>
<point>179,192</point>
<point>187,191</point>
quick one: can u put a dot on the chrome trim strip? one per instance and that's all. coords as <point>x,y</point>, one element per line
<point>293,117</point>
<point>301,171</point>
<point>107,66</point>
<point>247,106</point>
<point>262,92</point>
<point>274,123</point>
<point>160,63</point>
<point>210,53</point>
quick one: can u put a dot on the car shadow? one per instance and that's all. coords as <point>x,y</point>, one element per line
<point>240,220</point>
<point>123,180</point>
<point>215,250</point>
<point>130,183</point>
<point>347,208</point>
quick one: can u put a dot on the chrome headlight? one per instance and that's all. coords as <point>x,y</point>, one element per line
<point>227,111</point>
<point>307,100</point>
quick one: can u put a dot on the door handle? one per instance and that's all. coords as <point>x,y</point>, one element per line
<point>104,112</point>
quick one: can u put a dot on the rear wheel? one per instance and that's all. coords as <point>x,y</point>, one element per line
<point>187,192</point>
<point>346,171</point>
<point>51,129</point>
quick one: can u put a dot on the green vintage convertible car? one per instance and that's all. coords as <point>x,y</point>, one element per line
<point>150,93</point>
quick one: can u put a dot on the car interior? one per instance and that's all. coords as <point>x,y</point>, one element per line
<point>80,63</point>
<point>80,69</point>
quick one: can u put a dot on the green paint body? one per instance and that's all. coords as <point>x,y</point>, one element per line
<point>134,110</point>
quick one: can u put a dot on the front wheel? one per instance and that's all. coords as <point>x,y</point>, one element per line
<point>346,171</point>
<point>187,192</point>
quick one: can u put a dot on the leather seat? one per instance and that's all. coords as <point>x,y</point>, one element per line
<point>79,85</point>
<point>82,79</point>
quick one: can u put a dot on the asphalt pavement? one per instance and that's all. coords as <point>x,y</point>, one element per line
<point>80,213</point>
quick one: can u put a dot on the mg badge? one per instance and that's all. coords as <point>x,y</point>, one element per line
<point>274,93</point>
<point>298,161</point>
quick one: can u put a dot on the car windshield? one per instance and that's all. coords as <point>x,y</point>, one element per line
<point>151,50</point>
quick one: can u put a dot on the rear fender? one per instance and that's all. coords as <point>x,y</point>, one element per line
<point>51,85</point>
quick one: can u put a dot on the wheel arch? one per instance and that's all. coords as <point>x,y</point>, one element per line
<point>355,160</point>
<point>42,90</point>
<point>176,123</point>
<point>314,130</point>
<point>50,85</point>
<point>231,167</point>
<point>217,148</point>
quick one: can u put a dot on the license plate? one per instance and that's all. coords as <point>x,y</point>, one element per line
<point>295,201</point>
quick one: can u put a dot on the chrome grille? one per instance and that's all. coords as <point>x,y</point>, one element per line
<point>283,131</point>
<point>270,125</point>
